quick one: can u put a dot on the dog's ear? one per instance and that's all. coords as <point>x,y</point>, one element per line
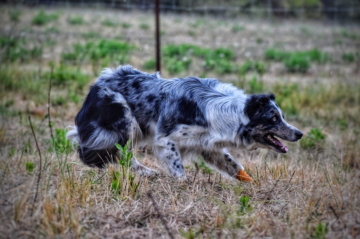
<point>255,104</point>
<point>262,99</point>
<point>272,96</point>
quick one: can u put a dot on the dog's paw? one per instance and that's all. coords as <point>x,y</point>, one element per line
<point>144,171</point>
<point>243,176</point>
<point>147,173</point>
<point>182,178</point>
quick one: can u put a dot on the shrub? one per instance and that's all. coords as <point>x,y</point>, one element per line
<point>42,18</point>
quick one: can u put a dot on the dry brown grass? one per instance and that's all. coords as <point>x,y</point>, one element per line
<point>291,194</point>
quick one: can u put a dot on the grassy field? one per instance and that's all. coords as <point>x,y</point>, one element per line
<point>312,67</point>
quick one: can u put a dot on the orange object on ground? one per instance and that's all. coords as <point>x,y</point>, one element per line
<point>243,176</point>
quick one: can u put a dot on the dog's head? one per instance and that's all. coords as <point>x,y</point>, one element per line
<point>267,124</point>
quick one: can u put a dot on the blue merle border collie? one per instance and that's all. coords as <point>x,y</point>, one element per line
<point>178,118</point>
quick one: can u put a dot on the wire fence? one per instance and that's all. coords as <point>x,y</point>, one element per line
<point>335,10</point>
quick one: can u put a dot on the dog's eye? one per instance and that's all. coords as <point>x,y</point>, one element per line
<point>274,118</point>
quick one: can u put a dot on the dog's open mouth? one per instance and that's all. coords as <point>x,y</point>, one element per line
<point>275,143</point>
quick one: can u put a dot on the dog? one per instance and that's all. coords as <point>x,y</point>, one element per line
<point>178,118</point>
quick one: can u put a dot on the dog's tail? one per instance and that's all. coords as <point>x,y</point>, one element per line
<point>72,135</point>
<point>91,157</point>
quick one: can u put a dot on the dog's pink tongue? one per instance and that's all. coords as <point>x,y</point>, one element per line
<point>285,148</point>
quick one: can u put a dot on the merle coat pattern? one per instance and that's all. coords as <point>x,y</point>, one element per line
<point>177,118</point>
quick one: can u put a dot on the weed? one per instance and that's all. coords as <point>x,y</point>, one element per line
<point>348,34</point>
<point>29,83</point>
<point>286,96</point>
<point>223,66</point>
<point>15,49</point>
<point>109,23</point>
<point>76,20</point>
<point>123,182</point>
<point>255,85</point>
<point>42,18</point>
<point>69,77</point>
<point>190,234</point>
<point>297,63</point>
<point>192,33</point>
<point>150,64</point>
<point>320,231</point>
<point>15,15</point>
<point>29,166</point>
<point>175,66</point>
<point>91,35</point>
<point>259,40</point>
<point>343,124</point>
<point>315,138</point>
<point>126,25</point>
<point>74,97</point>
<point>204,168</point>
<point>107,51</point>
<point>257,66</point>
<point>245,206</point>
<point>349,57</point>
<point>52,29</point>
<point>61,144</point>
<point>338,42</point>
<point>144,26</point>
<point>11,152</point>
<point>59,101</point>
<point>273,54</point>
<point>178,58</point>
<point>237,28</point>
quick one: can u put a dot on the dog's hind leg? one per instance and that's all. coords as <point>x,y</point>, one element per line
<point>227,164</point>
<point>168,154</point>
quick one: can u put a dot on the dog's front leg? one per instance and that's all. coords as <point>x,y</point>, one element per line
<point>169,155</point>
<point>226,163</point>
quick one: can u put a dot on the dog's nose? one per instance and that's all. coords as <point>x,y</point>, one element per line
<point>298,134</point>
